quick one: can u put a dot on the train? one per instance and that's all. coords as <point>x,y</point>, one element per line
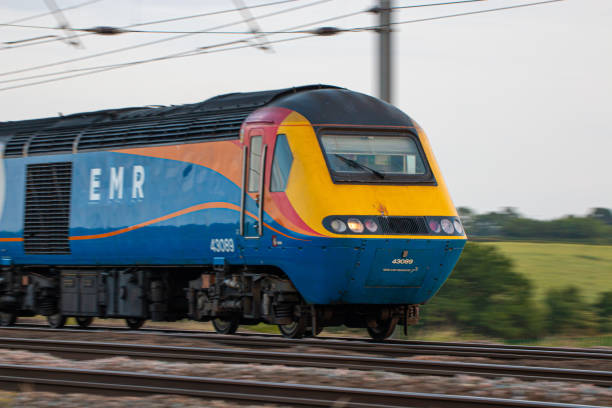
<point>304,207</point>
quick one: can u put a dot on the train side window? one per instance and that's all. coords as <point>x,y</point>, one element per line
<point>281,164</point>
<point>254,163</point>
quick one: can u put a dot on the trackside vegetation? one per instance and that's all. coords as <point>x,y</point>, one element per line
<point>509,224</point>
<point>486,296</point>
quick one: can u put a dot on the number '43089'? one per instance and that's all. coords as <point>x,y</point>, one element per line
<point>222,245</point>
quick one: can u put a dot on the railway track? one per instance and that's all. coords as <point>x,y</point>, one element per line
<point>393,348</point>
<point>121,383</point>
<point>84,350</point>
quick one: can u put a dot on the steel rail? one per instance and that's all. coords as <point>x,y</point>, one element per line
<point>85,350</point>
<point>122,383</point>
<point>388,348</point>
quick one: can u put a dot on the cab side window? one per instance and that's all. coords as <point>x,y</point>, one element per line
<point>254,163</point>
<point>281,164</point>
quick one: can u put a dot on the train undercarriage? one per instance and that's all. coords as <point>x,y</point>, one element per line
<point>226,297</point>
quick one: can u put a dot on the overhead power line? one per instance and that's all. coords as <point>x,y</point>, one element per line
<point>321,31</point>
<point>447,3</point>
<point>162,40</point>
<point>19,20</point>
<point>97,70</point>
<point>467,13</point>
<point>109,30</point>
<point>167,20</point>
<point>206,50</point>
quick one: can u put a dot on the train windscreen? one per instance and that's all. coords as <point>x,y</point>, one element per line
<point>374,158</point>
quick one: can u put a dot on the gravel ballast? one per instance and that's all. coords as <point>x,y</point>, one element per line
<point>557,391</point>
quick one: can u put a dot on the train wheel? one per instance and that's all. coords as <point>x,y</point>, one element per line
<point>383,328</point>
<point>223,326</point>
<point>295,330</point>
<point>84,322</point>
<point>8,318</point>
<point>134,323</point>
<point>310,333</point>
<point>57,321</point>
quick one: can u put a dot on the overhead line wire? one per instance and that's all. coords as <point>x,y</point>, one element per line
<point>467,13</point>
<point>117,66</point>
<point>19,20</point>
<point>197,50</point>
<point>126,29</point>
<point>131,47</point>
<point>274,3</point>
<point>447,3</point>
<point>205,51</point>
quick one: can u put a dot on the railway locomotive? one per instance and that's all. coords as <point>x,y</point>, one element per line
<point>303,207</point>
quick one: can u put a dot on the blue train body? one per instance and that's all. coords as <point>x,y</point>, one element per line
<point>176,224</point>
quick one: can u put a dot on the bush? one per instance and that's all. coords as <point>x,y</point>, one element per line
<point>567,311</point>
<point>604,311</point>
<point>485,295</point>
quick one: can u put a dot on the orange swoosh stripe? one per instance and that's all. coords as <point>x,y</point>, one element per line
<point>11,239</point>
<point>285,235</point>
<point>187,210</point>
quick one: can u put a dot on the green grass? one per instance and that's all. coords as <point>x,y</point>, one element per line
<point>552,265</point>
<point>452,334</point>
<point>7,399</point>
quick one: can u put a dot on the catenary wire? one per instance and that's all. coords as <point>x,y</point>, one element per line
<point>467,13</point>
<point>192,16</point>
<point>223,44</point>
<point>436,4</point>
<point>174,56</point>
<point>19,20</point>
<point>94,70</point>
<point>127,29</point>
<point>131,47</point>
<point>290,30</point>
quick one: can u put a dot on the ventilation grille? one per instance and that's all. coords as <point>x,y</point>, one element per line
<point>53,141</point>
<point>47,208</point>
<point>403,225</point>
<point>174,130</point>
<point>14,148</point>
<point>218,118</point>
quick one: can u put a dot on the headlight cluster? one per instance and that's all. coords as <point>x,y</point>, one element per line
<point>353,225</point>
<point>392,225</point>
<point>445,225</point>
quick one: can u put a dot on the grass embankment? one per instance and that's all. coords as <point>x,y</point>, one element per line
<point>548,266</point>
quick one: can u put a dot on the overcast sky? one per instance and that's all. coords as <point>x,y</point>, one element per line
<point>517,103</point>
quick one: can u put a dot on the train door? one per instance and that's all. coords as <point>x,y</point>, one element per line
<point>253,176</point>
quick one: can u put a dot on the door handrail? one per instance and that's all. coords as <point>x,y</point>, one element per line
<point>245,151</point>
<point>262,178</point>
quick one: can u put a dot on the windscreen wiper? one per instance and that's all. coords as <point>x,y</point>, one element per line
<point>356,165</point>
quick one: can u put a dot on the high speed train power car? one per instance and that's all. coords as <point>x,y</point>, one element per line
<point>303,207</point>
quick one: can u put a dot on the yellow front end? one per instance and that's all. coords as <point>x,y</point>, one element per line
<point>314,195</point>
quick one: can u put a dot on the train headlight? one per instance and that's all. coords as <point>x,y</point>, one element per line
<point>371,225</point>
<point>458,226</point>
<point>338,225</point>
<point>447,226</point>
<point>355,225</point>
<point>434,226</point>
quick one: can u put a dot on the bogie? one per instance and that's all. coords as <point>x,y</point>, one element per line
<point>57,320</point>
<point>84,322</point>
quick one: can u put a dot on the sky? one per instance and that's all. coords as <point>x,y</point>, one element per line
<point>517,104</point>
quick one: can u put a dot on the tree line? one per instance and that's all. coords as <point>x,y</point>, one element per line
<point>485,296</point>
<point>508,224</point>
